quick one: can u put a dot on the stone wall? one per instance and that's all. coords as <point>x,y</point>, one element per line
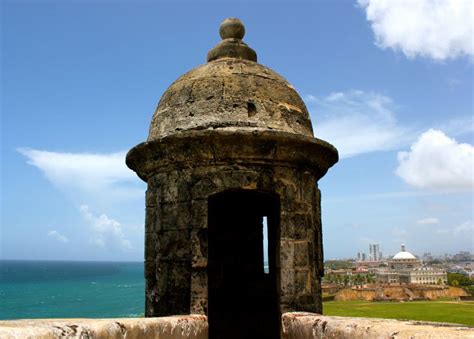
<point>175,327</point>
<point>297,325</point>
<point>185,169</point>
<point>403,292</point>
<point>176,234</point>
<point>301,325</point>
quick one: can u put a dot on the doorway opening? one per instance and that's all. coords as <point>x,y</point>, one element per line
<point>243,267</point>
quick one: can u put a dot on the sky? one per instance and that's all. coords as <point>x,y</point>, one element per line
<point>389,83</point>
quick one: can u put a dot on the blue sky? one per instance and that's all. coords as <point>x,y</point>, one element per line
<point>388,83</point>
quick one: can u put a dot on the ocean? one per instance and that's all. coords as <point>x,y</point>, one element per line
<point>62,289</point>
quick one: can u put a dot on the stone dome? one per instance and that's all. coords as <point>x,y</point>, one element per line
<point>230,92</point>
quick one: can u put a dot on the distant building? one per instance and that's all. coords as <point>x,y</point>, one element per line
<point>424,276</point>
<point>427,256</point>
<point>374,252</point>
<point>462,256</point>
<point>364,257</point>
<point>405,268</point>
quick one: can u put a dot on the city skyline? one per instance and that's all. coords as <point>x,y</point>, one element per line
<point>363,256</point>
<point>81,82</point>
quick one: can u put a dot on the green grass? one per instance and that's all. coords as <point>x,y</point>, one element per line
<point>459,312</point>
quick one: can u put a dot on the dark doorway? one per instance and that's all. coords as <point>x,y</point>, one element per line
<point>243,288</point>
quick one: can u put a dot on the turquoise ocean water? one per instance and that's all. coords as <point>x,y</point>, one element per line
<point>60,289</point>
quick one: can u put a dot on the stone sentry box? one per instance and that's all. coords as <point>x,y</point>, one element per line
<point>231,143</point>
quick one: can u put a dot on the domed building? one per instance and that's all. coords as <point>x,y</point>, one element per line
<point>233,221</point>
<point>404,260</point>
<point>405,268</point>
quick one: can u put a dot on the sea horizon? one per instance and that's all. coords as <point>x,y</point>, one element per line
<point>71,289</point>
<point>76,260</point>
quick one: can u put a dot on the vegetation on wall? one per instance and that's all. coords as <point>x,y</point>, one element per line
<point>461,280</point>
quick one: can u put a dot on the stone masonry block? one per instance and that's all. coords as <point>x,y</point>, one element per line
<point>173,245</point>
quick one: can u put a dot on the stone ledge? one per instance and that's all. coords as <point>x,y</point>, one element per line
<point>175,327</point>
<point>302,325</point>
<point>296,325</point>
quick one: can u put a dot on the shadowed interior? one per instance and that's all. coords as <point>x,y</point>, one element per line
<point>243,299</point>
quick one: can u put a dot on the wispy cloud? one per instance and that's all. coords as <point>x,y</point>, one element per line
<point>465,228</point>
<point>105,231</point>
<point>358,122</point>
<point>457,126</point>
<point>57,236</point>
<point>438,30</point>
<point>379,196</point>
<point>428,221</point>
<point>87,176</point>
<point>438,162</point>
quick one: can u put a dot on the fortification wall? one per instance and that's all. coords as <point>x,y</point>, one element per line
<point>399,292</point>
<point>299,325</point>
<point>175,327</point>
<point>295,325</point>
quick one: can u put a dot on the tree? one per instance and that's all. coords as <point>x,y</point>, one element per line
<point>460,279</point>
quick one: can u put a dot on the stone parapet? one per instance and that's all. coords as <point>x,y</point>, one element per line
<point>174,327</point>
<point>296,325</point>
<point>302,325</point>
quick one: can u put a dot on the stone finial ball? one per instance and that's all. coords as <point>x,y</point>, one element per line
<point>232,28</point>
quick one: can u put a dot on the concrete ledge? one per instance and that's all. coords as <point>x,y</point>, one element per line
<point>301,325</point>
<point>175,327</point>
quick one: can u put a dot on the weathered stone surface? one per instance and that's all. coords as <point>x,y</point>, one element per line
<point>296,325</point>
<point>301,325</point>
<point>232,129</point>
<point>176,327</point>
<point>230,93</point>
<point>177,232</point>
<point>403,292</point>
<point>238,147</point>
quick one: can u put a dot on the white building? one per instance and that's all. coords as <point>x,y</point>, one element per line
<point>374,252</point>
<point>405,268</point>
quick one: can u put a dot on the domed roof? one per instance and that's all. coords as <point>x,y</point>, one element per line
<point>403,255</point>
<point>230,92</point>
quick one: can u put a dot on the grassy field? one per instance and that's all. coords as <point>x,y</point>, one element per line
<point>460,312</point>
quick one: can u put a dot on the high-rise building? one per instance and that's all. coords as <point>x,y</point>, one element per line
<point>374,252</point>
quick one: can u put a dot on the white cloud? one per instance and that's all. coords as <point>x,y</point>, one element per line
<point>466,228</point>
<point>458,126</point>
<point>428,221</point>
<point>438,162</point>
<point>57,236</point>
<point>86,176</point>
<point>357,122</point>
<point>437,29</point>
<point>105,230</point>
